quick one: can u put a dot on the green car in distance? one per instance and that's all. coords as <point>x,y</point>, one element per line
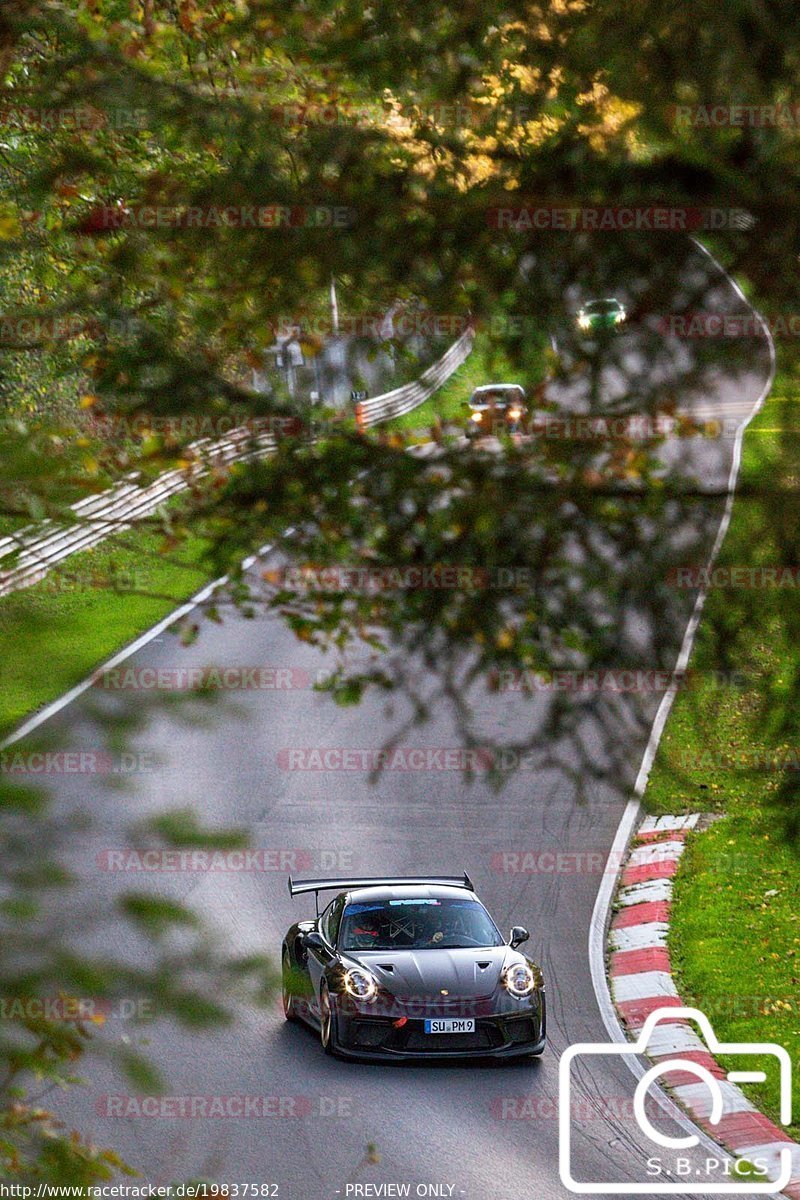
<point>598,315</point>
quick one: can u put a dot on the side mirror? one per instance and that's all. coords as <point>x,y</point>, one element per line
<point>315,941</point>
<point>519,934</point>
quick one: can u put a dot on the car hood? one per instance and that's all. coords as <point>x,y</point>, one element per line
<point>424,973</point>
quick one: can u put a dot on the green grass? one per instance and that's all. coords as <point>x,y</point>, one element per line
<point>734,748</point>
<point>735,940</point>
<point>487,363</point>
<point>9,524</point>
<point>53,634</point>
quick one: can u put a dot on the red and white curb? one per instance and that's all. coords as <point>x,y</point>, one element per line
<point>641,982</point>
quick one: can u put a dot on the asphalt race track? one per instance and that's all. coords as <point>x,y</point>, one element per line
<point>486,1132</point>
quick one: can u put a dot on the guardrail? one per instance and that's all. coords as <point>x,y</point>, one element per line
<point>403,399</point>
<point>36,548</point>
<point>31,552</point>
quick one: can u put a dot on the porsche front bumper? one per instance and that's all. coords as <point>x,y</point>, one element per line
<point>518,1033</point>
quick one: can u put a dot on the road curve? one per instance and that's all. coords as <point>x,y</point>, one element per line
<point>536,851</point>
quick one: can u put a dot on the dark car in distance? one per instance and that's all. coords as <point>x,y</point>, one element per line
<point>411,968</point>
<point>496,408</point>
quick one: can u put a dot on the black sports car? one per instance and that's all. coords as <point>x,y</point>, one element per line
<point>411,968</point>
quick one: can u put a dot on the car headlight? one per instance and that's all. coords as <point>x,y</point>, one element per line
<point>476,417</point>
<point>519,980</point>
<point>514,414</point>
<point>583,321</point>
<point>359,984</point>
<point>620,316</point>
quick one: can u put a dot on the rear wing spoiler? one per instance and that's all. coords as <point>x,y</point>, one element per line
<point>298,886</point>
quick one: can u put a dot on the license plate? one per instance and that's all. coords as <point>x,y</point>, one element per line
<point>450,1025</point>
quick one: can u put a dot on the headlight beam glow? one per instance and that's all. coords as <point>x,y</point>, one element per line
<point>519,980</point>
<point>360,984</point>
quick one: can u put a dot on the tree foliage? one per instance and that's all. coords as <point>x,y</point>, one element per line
<point>377,145</point>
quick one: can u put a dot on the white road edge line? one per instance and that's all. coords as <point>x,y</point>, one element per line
<point>605,894</point>
<point>50,710</point>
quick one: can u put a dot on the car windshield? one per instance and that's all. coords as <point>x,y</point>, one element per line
<point>498,398</point>
<point>602,306</point>
<point>436,924</point>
